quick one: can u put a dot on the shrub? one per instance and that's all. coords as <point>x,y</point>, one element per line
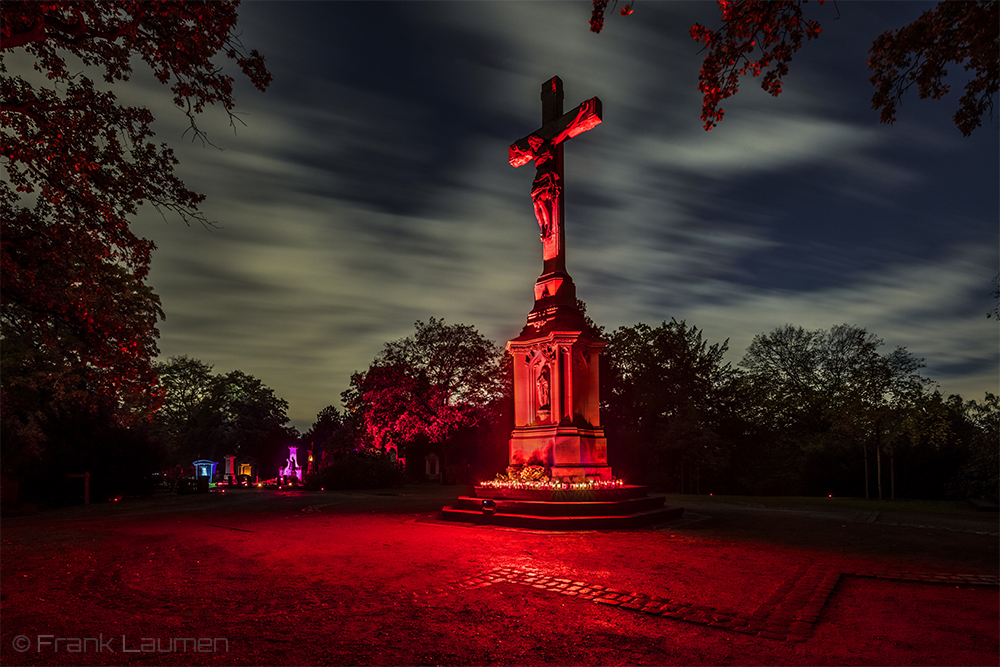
<point>358,470</point>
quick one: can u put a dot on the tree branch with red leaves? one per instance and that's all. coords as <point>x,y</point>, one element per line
<point>757,37</point>
<point>441,378</point>
<point>963,33</point>
<point>760,37</point>
<point>78,167</point>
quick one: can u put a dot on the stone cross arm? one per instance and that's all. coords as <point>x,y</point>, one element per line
<point>579,120</point>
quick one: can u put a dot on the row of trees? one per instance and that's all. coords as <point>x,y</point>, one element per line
<point>207,416</point>
<point>50,440</point>
<point>445,389</point>
<point>804,412</point>
<point>813,412</point>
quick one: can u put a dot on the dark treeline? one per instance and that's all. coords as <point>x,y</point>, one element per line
<point>209,416</point>
<point>50,439</point>
<point>803,412</point>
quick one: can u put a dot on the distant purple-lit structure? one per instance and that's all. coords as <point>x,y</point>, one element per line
<point>292,467</point>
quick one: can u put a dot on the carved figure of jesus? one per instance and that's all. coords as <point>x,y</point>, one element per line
<point>545,193</point>
<point>546,189</point>
<point>545,147</point>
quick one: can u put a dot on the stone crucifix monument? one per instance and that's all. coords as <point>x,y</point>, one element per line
<point>557,417</point>
<point>557,421</point>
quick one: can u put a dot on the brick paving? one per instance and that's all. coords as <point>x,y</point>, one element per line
<point>788,614</point>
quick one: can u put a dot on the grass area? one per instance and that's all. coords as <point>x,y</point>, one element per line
<point>939,507</point>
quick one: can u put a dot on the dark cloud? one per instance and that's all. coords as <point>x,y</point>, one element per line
<point>370,188</point>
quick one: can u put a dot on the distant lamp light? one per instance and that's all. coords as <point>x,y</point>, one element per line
<point>489,507</point>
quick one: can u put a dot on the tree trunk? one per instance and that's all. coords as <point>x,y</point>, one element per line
<point>878,464</point>
<point>867,484</point>
<point>892,474</point>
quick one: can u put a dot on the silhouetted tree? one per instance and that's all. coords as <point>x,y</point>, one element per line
<point>75,309</point>
<point>210,416</point>
<point>822,389</point>
<point>428,385</point>
<point>979,474</point>
<point>191,415</point>
<point>666,401</point>
<point>255,419</point>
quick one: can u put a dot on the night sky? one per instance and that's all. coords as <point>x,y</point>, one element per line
<point>370,188</point>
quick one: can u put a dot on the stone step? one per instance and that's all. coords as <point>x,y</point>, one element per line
<point>619,507</point>
<point>564,522</point>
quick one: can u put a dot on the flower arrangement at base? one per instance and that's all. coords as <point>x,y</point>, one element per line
<point>538,477</point>
<point>524,477</point>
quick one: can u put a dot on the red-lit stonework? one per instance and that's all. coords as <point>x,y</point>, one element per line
<point>557,415</point>
<point>557,420</point>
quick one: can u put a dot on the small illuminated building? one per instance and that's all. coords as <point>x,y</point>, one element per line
<point>229,471</point>
<point>205,468</point>
<point>246,471</point>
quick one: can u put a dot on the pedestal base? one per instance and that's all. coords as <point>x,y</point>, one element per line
<point>572,454</point>
<point>598,509</point>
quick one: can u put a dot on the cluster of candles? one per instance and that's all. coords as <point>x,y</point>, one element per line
<point>553,484</point>
<point>597,484</point>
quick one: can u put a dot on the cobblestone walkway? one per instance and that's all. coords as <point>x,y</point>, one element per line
<point>788,614</point>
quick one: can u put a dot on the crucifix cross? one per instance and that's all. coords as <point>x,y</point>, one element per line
<point>545,147</point>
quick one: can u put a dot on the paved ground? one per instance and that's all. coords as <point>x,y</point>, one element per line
<point>260,577</point>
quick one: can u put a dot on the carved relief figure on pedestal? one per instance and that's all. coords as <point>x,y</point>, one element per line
<point>543,389</point>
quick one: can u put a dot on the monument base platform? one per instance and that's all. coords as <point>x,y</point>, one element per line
<point>569,509</point>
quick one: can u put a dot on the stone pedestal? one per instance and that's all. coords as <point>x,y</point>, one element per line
<point>557,417</point>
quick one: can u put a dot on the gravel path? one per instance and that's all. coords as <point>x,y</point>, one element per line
<point>259,577</point>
